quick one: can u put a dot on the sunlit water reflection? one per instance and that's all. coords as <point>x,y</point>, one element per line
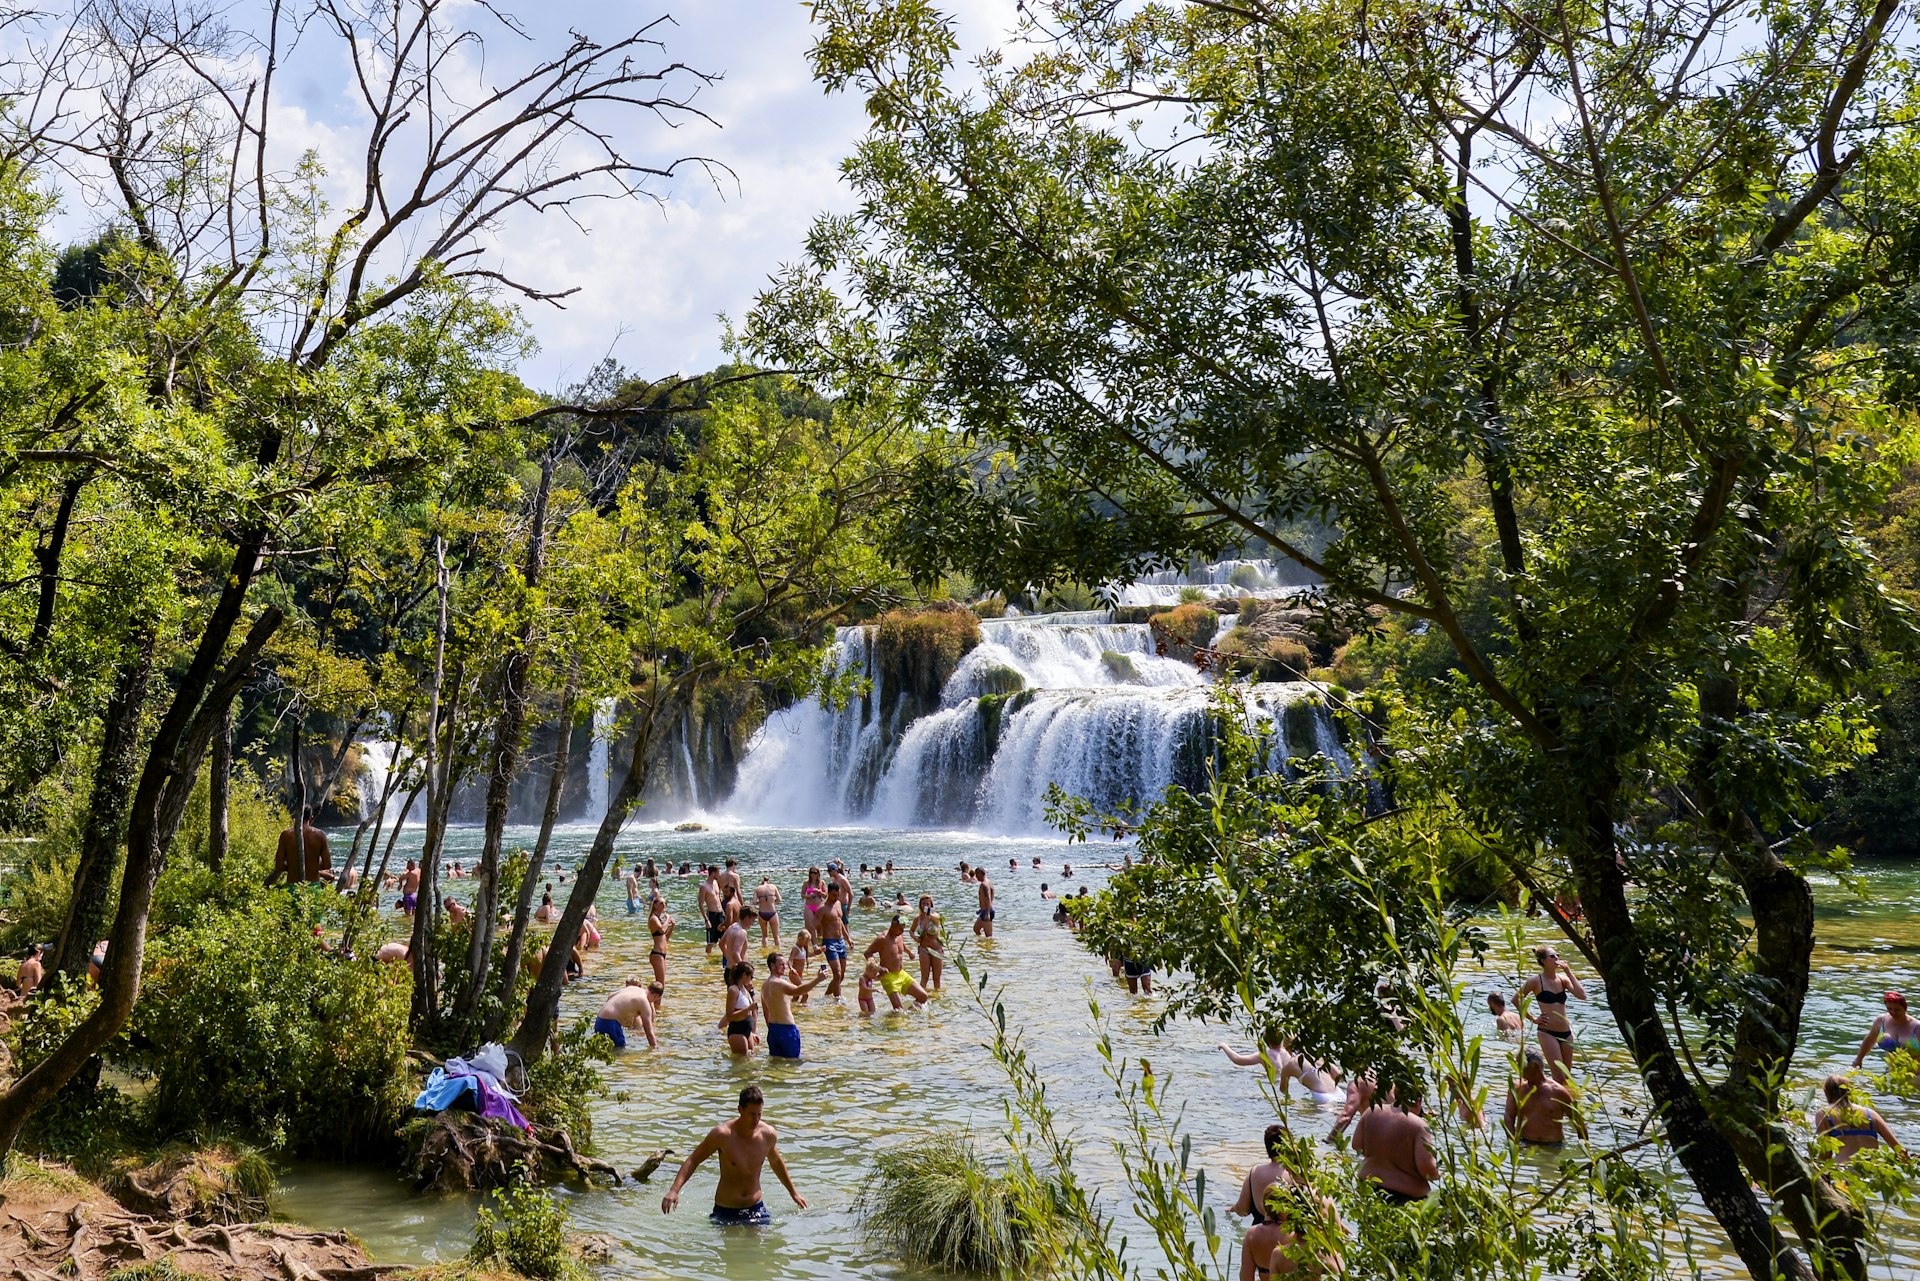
<point>870,1082</point>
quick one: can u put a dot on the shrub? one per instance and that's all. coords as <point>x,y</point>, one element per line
<point>1192,595</point>
<point>941,633</point>
<point>1193,625</point>
<point>941,1204</point>
<point>1246,577</point>
<point>35,894</point>
<point>529,1235</point>
<point>562,1084</point>
<point>246,1022</point>
<point>1287,657</point>
<point>990,607</point>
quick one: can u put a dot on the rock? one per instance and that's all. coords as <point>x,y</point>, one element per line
<point>216,1185</point>
<point>596,1247</point>
<point>689,827</point>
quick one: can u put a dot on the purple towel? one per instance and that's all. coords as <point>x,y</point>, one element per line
<point>494,1101</point>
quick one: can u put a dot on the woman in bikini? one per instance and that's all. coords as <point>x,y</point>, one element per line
<point>1852,1126</point>
<point>1894,1030</point>
<point>737,1017</point>
<point>927,933</point>
<point>1281,1209</point>
<point>1552,985</point>
<point>812,895</point>
<point>660,924</point>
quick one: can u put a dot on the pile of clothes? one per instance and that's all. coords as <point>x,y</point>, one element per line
<point>473,1085</point>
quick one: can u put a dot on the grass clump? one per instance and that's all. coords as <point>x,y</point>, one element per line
<point>941,1204</point>
<point>161,1269</point>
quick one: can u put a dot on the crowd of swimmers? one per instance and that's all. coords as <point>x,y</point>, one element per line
<point>1390,1134</point>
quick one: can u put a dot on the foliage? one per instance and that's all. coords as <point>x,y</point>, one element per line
<point>937,636</point>
<point>36,892</point>
<point>528,1234</point>
<point>1591,352</point>
<point>248,1023</point>
<point>938,1202</point>
<point>563,1085</point>
<point>161,1269</point>
<point>1191,624</point>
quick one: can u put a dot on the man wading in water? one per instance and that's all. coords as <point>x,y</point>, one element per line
<point>833,941</point>
<point>745,1145</point>
<point>894,978</point>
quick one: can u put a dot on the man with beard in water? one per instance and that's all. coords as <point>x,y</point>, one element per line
<point>746,1144</point>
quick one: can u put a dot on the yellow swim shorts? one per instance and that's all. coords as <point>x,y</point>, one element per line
<point>894,982</point>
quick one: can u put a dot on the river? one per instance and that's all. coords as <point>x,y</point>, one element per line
<point>866,1083</point>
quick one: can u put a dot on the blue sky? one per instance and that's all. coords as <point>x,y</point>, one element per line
<point>652,279</point>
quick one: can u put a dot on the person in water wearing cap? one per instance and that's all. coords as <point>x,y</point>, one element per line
<point>1894,1030</point>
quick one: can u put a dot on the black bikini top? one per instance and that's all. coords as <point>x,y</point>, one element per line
<point>1552,998</point>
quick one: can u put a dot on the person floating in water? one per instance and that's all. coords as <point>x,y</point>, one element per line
<point>745,1145</point>
<point>1894,1030</point>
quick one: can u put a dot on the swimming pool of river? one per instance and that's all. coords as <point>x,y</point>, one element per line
<point>866,1083</point>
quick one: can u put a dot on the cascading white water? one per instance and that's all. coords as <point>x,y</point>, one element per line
<point>376,766</point>
<point>1087,705</point>
<point>599,758</point>
<point>1223,578</point>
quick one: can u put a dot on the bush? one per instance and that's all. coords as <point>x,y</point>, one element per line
<point>990,607</point>
<point>562,1084</point>
<point>35,894</point>
<point>247,1022</point>
<point>938,1202</point>
<point>1192,625</point>
<point>529,1235</point>
<point>1192,595</point>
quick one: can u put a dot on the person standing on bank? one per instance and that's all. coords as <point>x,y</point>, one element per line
<point>746,1145</point>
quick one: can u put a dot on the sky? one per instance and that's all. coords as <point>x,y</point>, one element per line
<point>653,279</point>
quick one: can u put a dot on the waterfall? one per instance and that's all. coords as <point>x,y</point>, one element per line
<point>599,758</point>
<point>1228,578</point>
<point>1086,704</point>
<point>376,764</point>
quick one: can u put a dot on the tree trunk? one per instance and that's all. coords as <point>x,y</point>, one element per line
<point>201,698</point>
<point>1703,1151</point>
<point>523,907</point>
<point>536,1026</point>
<point>219,784</point>
<point>297,771</point>
<point>426,997</point>
<point>508,740</point>
<point>106,816</point>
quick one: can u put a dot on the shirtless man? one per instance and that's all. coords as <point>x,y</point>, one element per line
<point>928,932</point>
<point>766,905</point>
<point>456,913</point>
<point>1396,1151</point>
<point>633,891</point>
<point>745,1145</point>
<point>832,921</point>
<point>302,855</point>
<point>1506,1021</point>
<point>839,886</point>
<point>894,978</point>
<point>733,946</point>
<point>776,997</point>
<point>410,888</point>
<point>397,952</point>
<point>983,919</point>
<point>31,971</point>
<point>629,1006</point>
<point>730,880</point>
<point>1537,1105</point>
<point>713,907</point>
<point>349,880</point>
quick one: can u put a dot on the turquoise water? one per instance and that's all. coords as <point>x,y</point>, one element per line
<point>869,1082</point>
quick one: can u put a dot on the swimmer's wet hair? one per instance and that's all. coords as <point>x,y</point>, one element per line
<point>750,1097</point>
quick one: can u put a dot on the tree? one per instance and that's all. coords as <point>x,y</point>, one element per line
<point>269,372</point>
<point>1619,294</point>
